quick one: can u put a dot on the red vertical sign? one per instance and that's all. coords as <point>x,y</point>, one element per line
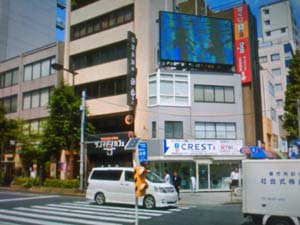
<point>241,42</point>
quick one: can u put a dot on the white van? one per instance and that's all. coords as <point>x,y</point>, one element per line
<point>116,185</point>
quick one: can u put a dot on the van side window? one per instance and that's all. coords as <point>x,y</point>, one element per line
<point>129,176</point>
<point>106,175</point>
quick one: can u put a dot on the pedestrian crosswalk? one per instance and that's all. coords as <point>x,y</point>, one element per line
<point>80,212</point>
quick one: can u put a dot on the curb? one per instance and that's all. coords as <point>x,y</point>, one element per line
<point>45,190</point>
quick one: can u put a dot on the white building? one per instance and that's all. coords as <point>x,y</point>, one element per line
<point>278,23</point>
<point>280,38</point>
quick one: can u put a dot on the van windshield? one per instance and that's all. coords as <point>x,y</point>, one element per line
<point>153,177</point>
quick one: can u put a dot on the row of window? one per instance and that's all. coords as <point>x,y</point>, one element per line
<point>208,93</point>
<point>203,130</point>
<point>9,78</point>
<point>9,103</point>
<point>39,69</point>
<point>274,57</point>
<point>37,98</point>
<point>173,89</point>
<point>98,56</point>
<point>104,88</point>
<point>281,31</point>
<point>103,22</point>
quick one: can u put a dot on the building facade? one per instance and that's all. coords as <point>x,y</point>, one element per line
<point>26,82</point>
<point>27,25</point>
<point>280,39</point>
<point>114,48</point>
<point>278,23</point>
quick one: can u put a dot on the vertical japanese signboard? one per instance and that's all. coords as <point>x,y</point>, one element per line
<point>241,42</point>
<point>131,68</point>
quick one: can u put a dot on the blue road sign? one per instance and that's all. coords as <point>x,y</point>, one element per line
<point>142,147</point>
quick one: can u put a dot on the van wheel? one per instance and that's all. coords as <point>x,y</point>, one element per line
<point>280,221</point>
<point>100,198</point>
<point>149,202</point>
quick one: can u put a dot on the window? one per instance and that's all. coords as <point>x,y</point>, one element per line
<point>279,103</point>
<point>283,30</point>
<point>271,89</point>
<point>113,175</point>
<point>268,33</point>
<point>173,89</point>
<point>278,87</point>
<point>263,59</point>
<point>103,22</point>
<point>98,56</point>
<point>267,22</point>
<point>276,72</point>
<point>273,114</point>
<point>266,11</point>
<point>153,129</point>
<point>129,176</point>
<point>104,88</point>
<point>37,98</point>
<point>173,129</point>
<point>211,130</point>
<point>9,103</point>
<point>39,69</point>
<point>205,93</point>
<point>275,57</point>
<point>9,78</point>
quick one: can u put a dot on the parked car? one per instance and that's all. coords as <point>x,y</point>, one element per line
<point>116,185</point>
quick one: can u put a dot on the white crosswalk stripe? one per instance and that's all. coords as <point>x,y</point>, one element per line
<point>83,212</point>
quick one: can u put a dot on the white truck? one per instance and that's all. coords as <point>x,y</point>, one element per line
<point>271,191</point>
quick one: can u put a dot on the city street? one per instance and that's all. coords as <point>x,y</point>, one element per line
<point>28,208</point>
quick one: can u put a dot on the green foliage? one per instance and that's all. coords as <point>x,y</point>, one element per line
<point>8,128</point>
<point>27,182</point>
<point>292,94</point>
<point>62,128</point>
<point>57,183</point>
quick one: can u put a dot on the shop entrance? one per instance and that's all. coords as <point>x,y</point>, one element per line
<point>203,175</point>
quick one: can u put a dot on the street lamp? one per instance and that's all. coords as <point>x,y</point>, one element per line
<point>59,67</point>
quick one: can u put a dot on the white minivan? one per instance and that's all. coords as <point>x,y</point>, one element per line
<point>116,185</point>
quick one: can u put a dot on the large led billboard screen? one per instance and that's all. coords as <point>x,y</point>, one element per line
<point>195,39</point>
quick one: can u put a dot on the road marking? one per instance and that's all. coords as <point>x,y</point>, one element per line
<point>29,198</point>
<point>28,220</point>
<point>92,212</point>
<point>48,217</point>
<point>57,213</point>
<point>163,211</point>
<point>108,209</point>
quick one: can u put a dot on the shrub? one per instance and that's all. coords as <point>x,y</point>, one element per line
<point>62,183</point>
<point>27,182</point>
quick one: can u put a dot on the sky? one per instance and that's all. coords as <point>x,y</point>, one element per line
<point>254,6</point>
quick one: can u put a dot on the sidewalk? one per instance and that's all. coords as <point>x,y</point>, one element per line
<point>209,198</point>
<point>187,198</point>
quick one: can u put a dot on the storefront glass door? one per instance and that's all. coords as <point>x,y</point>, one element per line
<point>203,177</point>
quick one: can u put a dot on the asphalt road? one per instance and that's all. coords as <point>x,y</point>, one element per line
<point>42,209</point>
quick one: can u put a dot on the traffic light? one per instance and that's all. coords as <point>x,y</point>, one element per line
<point>140,181</point>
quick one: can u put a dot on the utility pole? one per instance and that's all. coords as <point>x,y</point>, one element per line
<point>82,107</point>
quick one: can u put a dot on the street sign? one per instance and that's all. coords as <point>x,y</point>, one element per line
<point>142,147</point>
<point>132,143</point>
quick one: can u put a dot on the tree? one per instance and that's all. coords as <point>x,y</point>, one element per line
<point>63,127</point>
<point>290,122</point>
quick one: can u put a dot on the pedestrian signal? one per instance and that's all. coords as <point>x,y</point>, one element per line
<point>140,181</point>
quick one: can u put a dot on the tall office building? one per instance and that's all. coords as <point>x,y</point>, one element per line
<point>280,39</point>
<point>278,23</point>
<point>188,115</point>
<point>27,25</point>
